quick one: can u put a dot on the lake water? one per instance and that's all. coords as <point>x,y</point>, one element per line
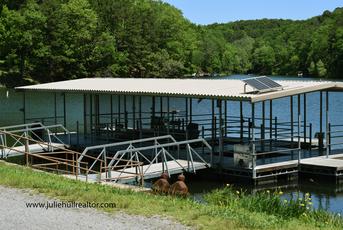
<point>327,196</point>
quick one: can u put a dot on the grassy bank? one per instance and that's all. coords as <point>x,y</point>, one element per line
<point>225,208</point>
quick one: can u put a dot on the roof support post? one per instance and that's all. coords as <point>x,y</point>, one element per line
<point>253,146</point>
<point>263,128</point>
<point>221,144</point>
<point>24,106</point>
<point>327,126</point>
<point>213,120</point>
<point>190,110</point>
<point>270,123</point>
<point>225,118</point>
<point>320,138</point>
<point>241,119</point>
<point>133,112</point>
<point>186,112</point>
<point>64,111</point>
<point>55,108</point>
<point>140,117</point>
<point>91,115</point>
<point>111,108</point>
<point>305,108</point>
<point>125,113</point>
<point>119,110</point>
<point>299,131</point>
<point>161,107</point>
<point>292,121</point>
<point>84,113</point>
<point>168,114</point>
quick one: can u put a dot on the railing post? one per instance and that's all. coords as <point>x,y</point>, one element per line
<point>27,149</point>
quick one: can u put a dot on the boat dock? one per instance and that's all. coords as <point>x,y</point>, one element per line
<point>144,127</point>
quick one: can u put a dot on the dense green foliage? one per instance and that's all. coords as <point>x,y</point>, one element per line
<point>224,208</point>
<point>42,41</point>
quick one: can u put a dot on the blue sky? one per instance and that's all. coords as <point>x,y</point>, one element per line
<point>211,11</point>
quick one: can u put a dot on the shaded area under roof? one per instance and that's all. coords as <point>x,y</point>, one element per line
<point>198,88</point>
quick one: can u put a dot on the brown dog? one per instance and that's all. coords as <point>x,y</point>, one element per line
<point>179,188</point>
<point>161,185</point>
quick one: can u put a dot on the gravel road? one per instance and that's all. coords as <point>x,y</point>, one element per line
<point>15,215</point>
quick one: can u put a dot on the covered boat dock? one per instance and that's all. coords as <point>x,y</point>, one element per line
<point>251,143</point>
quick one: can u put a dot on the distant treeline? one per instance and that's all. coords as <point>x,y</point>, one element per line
<point>43,41</point>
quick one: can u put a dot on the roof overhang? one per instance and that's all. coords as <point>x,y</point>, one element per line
<point>196,88</point>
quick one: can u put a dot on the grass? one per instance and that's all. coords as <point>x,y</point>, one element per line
<point>224,209</point>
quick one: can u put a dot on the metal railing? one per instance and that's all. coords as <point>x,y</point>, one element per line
<point>160,151</point>
<point>37,131</point>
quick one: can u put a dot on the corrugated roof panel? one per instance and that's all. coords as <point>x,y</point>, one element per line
<point>217,88</point>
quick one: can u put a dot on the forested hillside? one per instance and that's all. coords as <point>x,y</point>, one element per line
<point>43,41</point>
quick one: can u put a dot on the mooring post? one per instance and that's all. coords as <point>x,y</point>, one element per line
<point>327,126</point>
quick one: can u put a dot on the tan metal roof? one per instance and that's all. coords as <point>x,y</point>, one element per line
<point>200,88</point>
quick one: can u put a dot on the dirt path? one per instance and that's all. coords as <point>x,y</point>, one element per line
<point>15,215</point>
